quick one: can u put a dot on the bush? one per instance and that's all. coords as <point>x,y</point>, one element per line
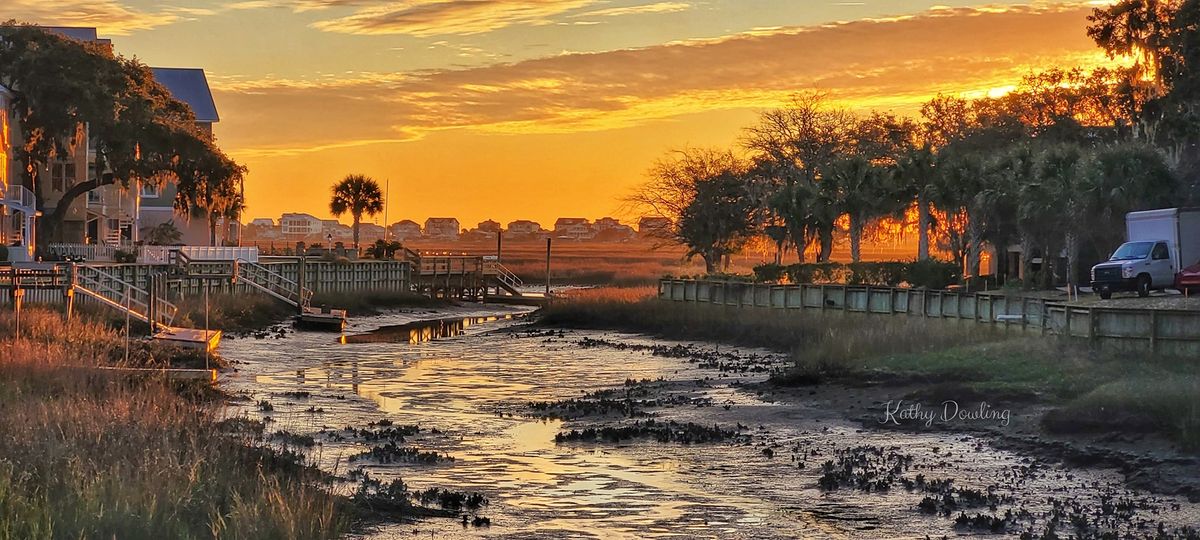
<point>930,274</point>
<point>933,274</point>
<point>383,250</point>
<point>123,256</point>
<point>769,272</point>
<point>891,274</point>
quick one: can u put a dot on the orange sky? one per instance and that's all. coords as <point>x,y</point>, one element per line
<point>536,109</point>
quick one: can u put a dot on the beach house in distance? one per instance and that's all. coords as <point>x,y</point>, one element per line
<point>111,215</point>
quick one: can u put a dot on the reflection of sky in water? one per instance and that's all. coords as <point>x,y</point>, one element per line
<point>465,386</point>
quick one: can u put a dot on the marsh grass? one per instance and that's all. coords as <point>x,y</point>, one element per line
<point>1088,389</point>
<point>235,313</point>
<point>88,454</point>
<point>822,344</point>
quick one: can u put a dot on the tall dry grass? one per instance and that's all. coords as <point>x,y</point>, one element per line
<point>88,454</point>
<point>1090,389</point>
<point>826,342</point>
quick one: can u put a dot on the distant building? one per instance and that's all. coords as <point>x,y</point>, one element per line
<point>489,226</point>
<point>442,229</point>
<point>262,229</point>
<point>523,228</point>
<point>653,226</point>
<point>612,230</point>
<point>299,226</point>
<point>606,223</point>
<point>405,230</point>
<point>574,228</point>
<point>337,230</point>
<point>368,233</point>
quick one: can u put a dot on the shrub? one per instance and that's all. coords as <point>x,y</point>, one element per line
<point>123,256</point>
<point>930,274</point>
<point>933,274</point>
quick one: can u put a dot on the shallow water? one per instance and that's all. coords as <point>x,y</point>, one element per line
<point>473,384</point>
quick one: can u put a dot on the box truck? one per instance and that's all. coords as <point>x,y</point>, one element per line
<point>1160,244</point>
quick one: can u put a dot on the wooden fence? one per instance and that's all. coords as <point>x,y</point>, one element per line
<point>320,276</point>
<point>1166,331</point>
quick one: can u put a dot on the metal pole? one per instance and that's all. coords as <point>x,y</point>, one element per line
<point>548,267</point>
<point>206,352</point>
<point>18,297</point>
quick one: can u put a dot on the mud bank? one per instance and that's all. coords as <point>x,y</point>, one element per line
<point>761,462</point>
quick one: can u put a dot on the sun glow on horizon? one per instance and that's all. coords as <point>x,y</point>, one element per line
<point>532,116</point>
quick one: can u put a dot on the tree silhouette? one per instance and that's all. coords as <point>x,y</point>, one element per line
<point>357,195</point>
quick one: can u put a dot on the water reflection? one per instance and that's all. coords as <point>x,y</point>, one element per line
<point>473,390</point>
<point>423,331</point>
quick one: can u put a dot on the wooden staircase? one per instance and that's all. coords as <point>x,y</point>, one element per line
<point>507,280</point>
<point>124,296</point>
<point>276,285</point>
<point>112,236</point>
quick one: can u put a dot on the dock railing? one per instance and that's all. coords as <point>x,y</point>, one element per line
<point>1168,331</point>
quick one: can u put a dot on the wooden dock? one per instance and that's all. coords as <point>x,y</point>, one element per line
<point>190,338</point>
<point>314,318</point>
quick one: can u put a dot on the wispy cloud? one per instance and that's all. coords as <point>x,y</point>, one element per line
<point>110,17</point>
<point>448,17</point>
<point>894,63</point>
<point>659,7</point>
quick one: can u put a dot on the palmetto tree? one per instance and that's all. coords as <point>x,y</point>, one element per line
<point>860,195</point>
<point>916,171</point>
<point>357,195</point>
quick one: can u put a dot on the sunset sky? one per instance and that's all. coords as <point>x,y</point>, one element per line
<point>510,109</point>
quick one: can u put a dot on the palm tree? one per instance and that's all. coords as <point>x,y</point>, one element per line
<point>860,196</point>
<point>358,195</point>
<point>916,170</point>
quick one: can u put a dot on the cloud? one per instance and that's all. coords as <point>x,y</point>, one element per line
<point>448,17</point>
<point>110,17</point>
<point>660,7</point>
<point>424,18</point>
<point>892,63</point>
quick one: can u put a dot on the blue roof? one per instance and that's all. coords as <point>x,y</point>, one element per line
<point>80,33</point>
<point>190,86</point>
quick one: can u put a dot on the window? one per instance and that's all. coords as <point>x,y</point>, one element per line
<point>1160,252</point>
<point>62,175</point>
<point>151,191</point>
<point>94,197</point>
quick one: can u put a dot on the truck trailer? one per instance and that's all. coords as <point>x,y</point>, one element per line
<point>1159,245</point>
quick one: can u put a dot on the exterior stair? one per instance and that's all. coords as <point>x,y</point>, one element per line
<point>123,296</point>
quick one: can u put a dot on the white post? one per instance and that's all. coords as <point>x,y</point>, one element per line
<point>127,325</point>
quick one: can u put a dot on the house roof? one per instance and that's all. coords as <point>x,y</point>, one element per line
<point>190,86</point>
<point>81,33</point>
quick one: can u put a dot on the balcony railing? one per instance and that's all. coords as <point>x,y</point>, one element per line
<point>21,196</point>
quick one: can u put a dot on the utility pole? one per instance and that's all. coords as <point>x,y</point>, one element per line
<point>548,267</point>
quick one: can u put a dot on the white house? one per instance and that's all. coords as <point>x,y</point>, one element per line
<point>299,226</point>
